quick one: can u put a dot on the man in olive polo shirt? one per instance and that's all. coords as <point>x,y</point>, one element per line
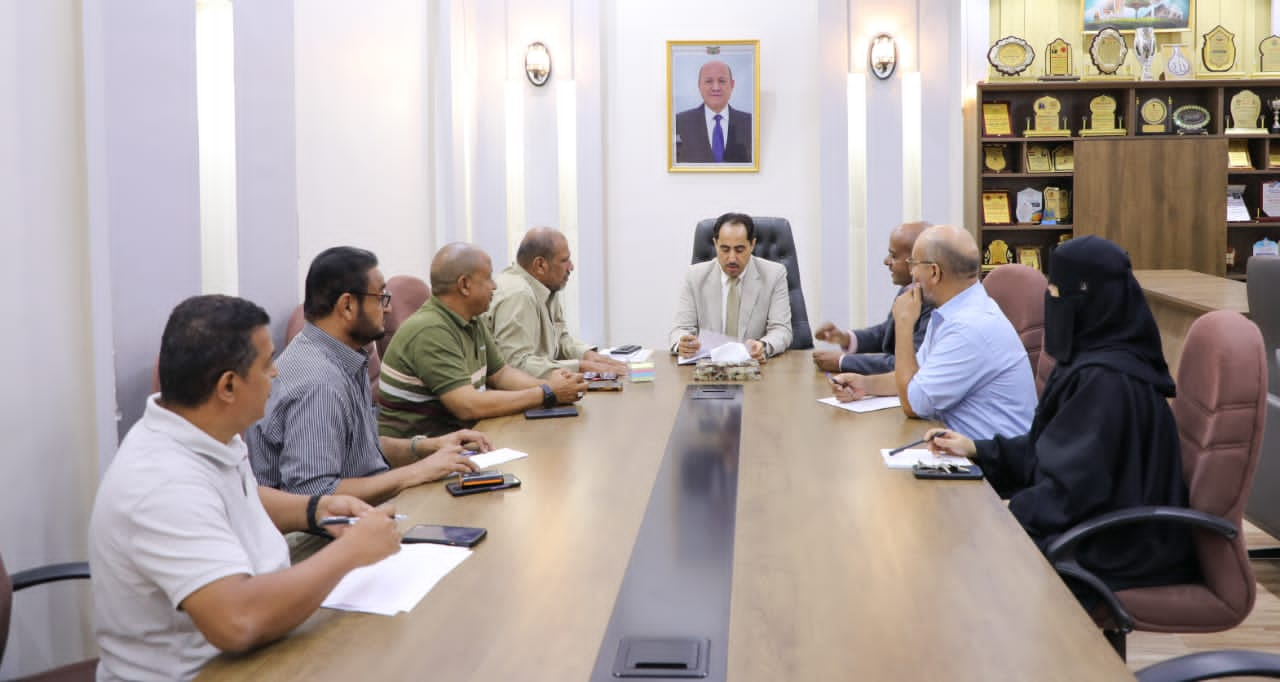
<point>443,371</point>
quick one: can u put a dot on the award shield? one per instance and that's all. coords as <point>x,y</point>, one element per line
<point>1246,114</point>
<point>1218,54</point>
<point>1010,55</point>
<point>993,158</point>
<point>996,254</point>
<point>1102,117</point>
<point>1057,64</point>
<point>1269,57</point>
<point>1030,205</point>
<point>1038,159</point>
<point>1107,51</point>
<point>1048,119</point>
<point>1064,158</point>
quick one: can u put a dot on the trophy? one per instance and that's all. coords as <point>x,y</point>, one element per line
<point>1274,103</point>
<point>1144,46</point>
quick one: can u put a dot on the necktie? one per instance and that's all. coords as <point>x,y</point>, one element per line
<point>731,309</point>
<point>717,141</point>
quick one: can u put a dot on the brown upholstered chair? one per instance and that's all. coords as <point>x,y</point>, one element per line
<point>1221,402</point>
<point>296,321</point>
<point>78,570</point>
<point>408,293</point>
<point>1019,291</point>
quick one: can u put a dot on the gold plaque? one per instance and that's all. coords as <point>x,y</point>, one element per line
<point>995,119</point>
<point>1246,114</point>
<point>997,253</point>
<point>1155,116</point>
<point>1048,119</point>
<point>1103,117</point>
<point>1064,158</point>
<point>993,157</point>
<point>1011,55</point>
<point>1238,155</point>
<point>995,207</point>
<point>1219,51</point>
<point>1057,205</point>
<point>1107,51</point>
<point>1057,63</point>
<point>1269,55</point>
<point>1029,256</point>
<point>1038,159</point>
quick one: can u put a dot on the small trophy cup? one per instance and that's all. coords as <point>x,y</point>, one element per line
<point>1144,46</point>
<point>1274,103</point>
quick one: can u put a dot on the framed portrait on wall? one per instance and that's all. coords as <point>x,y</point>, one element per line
<point>713,106</point>
<point>1126,15</point>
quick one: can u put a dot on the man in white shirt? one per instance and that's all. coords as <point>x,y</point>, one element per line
<point>185,550</point>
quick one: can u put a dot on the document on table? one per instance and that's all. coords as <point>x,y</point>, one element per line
<point>493,458</point>
<point>708,341</point>
<point>398,582</point>
<point>909,458</point>
<point>868,404</point>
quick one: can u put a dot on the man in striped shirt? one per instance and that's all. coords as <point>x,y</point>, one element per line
<point>319,434</point>
<point>444,371</point>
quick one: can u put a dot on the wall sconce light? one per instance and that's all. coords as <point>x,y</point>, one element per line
<point>537,64</point>
<point>883,56</point>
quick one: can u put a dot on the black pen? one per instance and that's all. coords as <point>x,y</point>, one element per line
<point>915,443</point>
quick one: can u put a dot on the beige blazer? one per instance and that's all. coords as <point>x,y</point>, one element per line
<point>766,307</point>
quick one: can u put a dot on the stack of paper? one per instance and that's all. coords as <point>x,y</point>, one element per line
<point>398,582</point>
<point>868,404</point>
<point>493,458</point>
<point>642,372</point>
<point>909,458</point>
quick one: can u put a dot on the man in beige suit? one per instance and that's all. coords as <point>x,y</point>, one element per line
<point>734,294</point>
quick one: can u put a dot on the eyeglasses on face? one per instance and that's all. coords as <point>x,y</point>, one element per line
<point>383,298</point>
<point>911,262</point>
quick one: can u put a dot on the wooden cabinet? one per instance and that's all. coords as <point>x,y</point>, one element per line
<point>1159,193</point>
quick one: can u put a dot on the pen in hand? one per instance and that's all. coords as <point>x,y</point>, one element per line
<point>831,379</point>
<point>922,441</point>
<point>348,520</point>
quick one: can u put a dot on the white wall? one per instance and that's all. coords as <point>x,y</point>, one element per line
<point>651,213</point>
<point>362,122</point>
<point>49,461</point>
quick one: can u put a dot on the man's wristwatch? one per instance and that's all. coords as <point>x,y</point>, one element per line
<point>548,396</point>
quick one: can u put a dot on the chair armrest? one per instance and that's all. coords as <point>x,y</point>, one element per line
<point>1211,665</point>
<point>74,570</point>
<point>1064,547</point>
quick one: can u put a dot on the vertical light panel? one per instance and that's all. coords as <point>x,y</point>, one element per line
<point>567,164</point>
<point>216,129</point>
<point>912,121</point>
<point>857,107</point>
<point>515,159</point>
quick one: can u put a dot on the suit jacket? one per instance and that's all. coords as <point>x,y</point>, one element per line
<point>695,145</point>
<point>765,311</point>
<point>876,344</point>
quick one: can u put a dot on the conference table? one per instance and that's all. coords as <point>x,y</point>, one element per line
<point>842,569</point>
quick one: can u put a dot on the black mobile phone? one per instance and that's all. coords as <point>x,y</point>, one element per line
<point>970,472</point>
<point>549,412</point>
<point>458,536</point>
<point>508,481</point>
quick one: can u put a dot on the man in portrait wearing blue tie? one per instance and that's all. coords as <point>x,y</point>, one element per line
<point>714,132</point>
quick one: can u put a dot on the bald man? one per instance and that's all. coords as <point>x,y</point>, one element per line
<point>870,350</point>
<point>443,371</point>
<point>971,372</point>
<point>526,315</point>
<point>713,132</point>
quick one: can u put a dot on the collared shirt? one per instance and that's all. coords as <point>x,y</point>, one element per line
<point>527,321</point>
<point>176,511</point>
<point>725,279</point>
<point>433,352</point>
<point>870,350</point>
<point>974,374</point>
<point>320,425</point>
<point>711,123</point>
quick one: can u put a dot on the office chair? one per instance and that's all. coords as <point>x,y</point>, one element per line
<point>77,570</point>
<point>1219,412</point>
<point>1019,291</point>
<point>408,293</point>
<point>296,322</point>
<point>773,242</point>
<point>1212,665</point>
<point>1264,507</point>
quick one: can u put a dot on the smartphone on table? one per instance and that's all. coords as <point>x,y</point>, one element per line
<point>458,536</point>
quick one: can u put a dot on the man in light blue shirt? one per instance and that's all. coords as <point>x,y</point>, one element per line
<point>971,371</point>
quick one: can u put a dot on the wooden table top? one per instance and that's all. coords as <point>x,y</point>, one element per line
<point>843,569</point>
<point>1193,290</point>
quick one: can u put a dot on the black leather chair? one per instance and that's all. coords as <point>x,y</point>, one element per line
<point>773,242</point>
<point>1212,665</point>
<point>82,671</point>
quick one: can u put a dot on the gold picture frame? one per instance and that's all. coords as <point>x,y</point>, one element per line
<point>692,145</point>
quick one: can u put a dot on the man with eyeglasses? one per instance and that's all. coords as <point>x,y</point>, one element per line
<point>870,350</point>
<point>319,435</point>
<point>971,372</point>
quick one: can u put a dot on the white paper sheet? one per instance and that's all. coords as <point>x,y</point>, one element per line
<point>870,404</point>
<point>708,341</point>
<point>493,458</point>
<point>398,582</point>
<point>909,458</point>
